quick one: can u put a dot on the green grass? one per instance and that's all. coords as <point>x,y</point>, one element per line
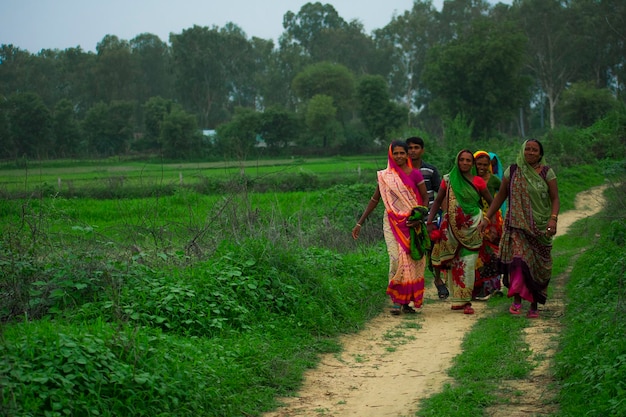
<point>590,365</point>
<point>115,178</point>
<point>195,304</point>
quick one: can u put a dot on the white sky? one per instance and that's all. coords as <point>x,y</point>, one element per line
<point>33,25</point>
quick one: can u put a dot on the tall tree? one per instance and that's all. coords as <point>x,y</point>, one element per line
<point>479,76</point>
<point>601,36</point>
<point>278,127</point>
<point>379,114</point>
<point>305,27</point>
<point>14,67</point>
<point>321,120</point>
<point>179,135</point>
<point>239,136</point>
<point>214,71</point>
<point>553,47</point>
<point>151,57</point>
<point>115,70</point>
<point>108,127</point>
<point>409,37</point>
<point>66,129</point>
<point>331,80</point>
<point>457,17</point>
<point>29,125</point>
<point>77,78</point>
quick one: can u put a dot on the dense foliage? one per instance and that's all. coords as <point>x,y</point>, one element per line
<point>331,87</point>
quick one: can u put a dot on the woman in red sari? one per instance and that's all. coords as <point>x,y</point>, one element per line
<point>402,189</point>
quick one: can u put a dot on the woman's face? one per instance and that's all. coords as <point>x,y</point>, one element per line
<point>466,160</point>
<point>399,155</point>
<point>482,166</point>
<point>532,153</point>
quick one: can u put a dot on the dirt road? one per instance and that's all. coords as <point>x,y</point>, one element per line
<point>394,362</point>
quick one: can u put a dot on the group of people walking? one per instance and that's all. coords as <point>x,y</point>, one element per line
<point>471,228</point>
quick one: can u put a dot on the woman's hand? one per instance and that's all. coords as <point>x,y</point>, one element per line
<point>484,223</point>
<point>551,230</point>
<point>412,223</point>
<point>355,231</point>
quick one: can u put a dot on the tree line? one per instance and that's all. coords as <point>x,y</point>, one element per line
<point>326,86</point>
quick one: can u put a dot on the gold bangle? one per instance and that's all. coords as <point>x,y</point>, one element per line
<point>374,200</point>
<point>554,217</point>
<point>359,224</point>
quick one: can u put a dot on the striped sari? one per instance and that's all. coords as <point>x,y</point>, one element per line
<point>399,194</point>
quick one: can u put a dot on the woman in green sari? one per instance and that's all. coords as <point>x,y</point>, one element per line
<point>459,237</point>
<point>530,223</point>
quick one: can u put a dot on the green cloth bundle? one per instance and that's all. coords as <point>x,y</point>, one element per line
<point>420,241</point>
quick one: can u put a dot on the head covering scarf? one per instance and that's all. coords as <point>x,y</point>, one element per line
<point>466,193</point>
<point>483,153</point>
<point>400,196</point>
<point>534,179</point>
<point>492,157</point>
<point>393,166</point>
<point>499,168</point>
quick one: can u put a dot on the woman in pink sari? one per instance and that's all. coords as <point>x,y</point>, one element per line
<point>402,189</point>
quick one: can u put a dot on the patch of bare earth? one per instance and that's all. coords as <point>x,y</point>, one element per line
<point>395,361</point>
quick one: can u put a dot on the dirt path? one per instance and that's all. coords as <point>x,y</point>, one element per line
<point>388,367</point>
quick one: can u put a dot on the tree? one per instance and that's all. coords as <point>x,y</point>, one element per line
<point>553,47</point>
<point>457,17</point>
<point>6,142</point>
<point>321,118</point>
<point>600,36</point>
<point>77,78</point>
<point>116,71</point>
<point>151,57</point>
<point>14,68</point>
<point>333,80</point>
<point>347,45</point>
<point>278,127</point>
<point>305,27</point>
<point>66,129</point>
<point>179,135</point>
<point>409,37</point>
<point>108,127</point>
<point>583,104</point>
<point>379,114</point>
<point>29,125</point>
<point>214,71</point>
<point>155,110</point>
<point>239,136</point>
<point>479,76</point>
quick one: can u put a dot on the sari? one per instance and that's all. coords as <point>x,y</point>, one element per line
<point>487,265</point>
<point>400,195</point>
<point>525,247</point>
<point>497,169</point>
<point>457,249</point>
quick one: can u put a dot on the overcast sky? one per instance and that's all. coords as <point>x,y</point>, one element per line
<point>33,25</point>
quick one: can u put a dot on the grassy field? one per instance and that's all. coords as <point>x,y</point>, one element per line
<point>76,178</point>
<point>192,303</point>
